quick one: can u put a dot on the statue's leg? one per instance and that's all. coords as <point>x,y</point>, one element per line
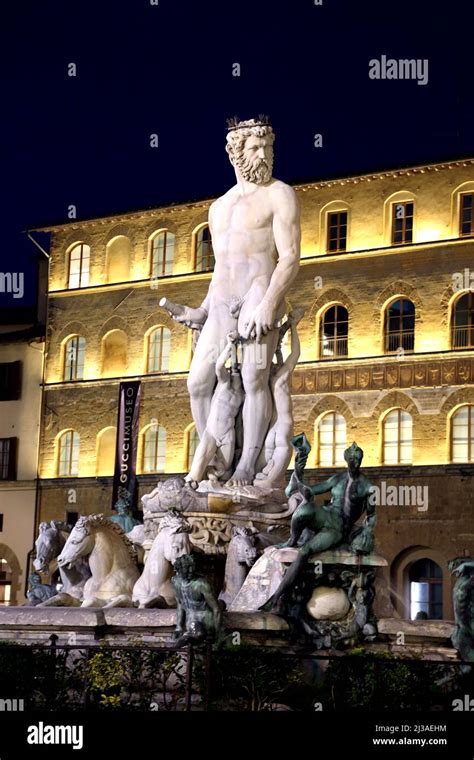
<point>226,452</point>
<point>287,582</point>
<point>63,599</point>
<point>274,475</point>
<point>265,460</point>
<point>201,381</point>
<point>307,515</point>
<point>202,377</point>
<point>181,641</point>
<point>298,524</point>
<point>282,429</point>
<point>322,541</point>
<point>257,409</point>
<point>204,453</point>
<point>283,434</point>
<point>93,602</point>
<point>195,632</point>
<point>122,600</point>
<point>217,470</point>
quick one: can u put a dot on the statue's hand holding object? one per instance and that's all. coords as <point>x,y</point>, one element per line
<point>262,321</point>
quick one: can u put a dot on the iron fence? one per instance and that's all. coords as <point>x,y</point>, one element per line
<point>241,678</point>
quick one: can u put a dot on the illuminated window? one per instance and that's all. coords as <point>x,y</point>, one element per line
<point>105,460</point>
<point>337,231</point>
<point>68,464</point>
<point>331,440</point>
<point>402,222</point>
<point>159,343</point>
<point>74,352</point>
<point>462,325</point>
<point>400,326</point>
<point>204,255</point>
<point>79,261</point>
<point>154,449</point>
<point>333,332</point>
<point>397,437</point>
<point>193,442</point>
<point>462,434</point>
<point>466,215</point>
<point>426,590</point>
<point>114,353</point>
<point>8,448</point>
<point>5,583</point>
<point>162,253</point>
<point>117,268</point>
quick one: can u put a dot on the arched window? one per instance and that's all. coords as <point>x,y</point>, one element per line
<point>5,583</point>
<point>400,326</point>
<point>402,222</point>
<point>334,220</point>
<point>68,462</point>
<point>154,449</point>
<point>162,253</point>
<point>466,214</point>
<point>331,440</point>
<point>426,590</point>
<point>79,263</point>
<point>462,322</point>
<point>333,332</point>
<point>462,434</point>
<point>336,231</point>
<point>397,437</point>
<point>193,442</point>
<point>114,354</point>
<point>74,352</point>
<point>118,259</point>
<point>106,451</point>
<point>204,255</point>
<point>159,343</point>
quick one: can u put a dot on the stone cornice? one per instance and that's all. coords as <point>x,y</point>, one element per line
<point>205,203</point>
<point>358,374</point>
<point>411,170</point>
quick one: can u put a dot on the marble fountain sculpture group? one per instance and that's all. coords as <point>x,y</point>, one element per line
<point>233,501</point>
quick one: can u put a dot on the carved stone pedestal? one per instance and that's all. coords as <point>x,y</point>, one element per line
<point>214,511</point>
<point>331,604</point>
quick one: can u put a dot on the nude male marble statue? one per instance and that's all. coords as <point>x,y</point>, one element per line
<point>255,229</point>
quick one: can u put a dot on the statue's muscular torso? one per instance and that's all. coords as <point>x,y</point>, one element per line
<point>244,245</point>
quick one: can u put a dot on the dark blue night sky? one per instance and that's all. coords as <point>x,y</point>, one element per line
<point>167,69</point>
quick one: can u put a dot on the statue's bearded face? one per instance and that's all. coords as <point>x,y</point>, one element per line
<point>254,159</point>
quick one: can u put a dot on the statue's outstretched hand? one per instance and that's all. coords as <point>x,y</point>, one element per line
<point>192,316</point>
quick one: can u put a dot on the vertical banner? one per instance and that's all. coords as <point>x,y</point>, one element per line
<point>127,440</point>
